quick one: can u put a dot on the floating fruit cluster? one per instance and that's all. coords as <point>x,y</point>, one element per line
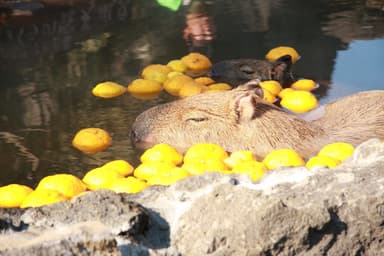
<point>182,78</point>
<point>164,165</point>
<point>179,77</point>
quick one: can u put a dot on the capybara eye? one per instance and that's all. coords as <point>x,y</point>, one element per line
<point>246,69</point>
<point>198,119</point>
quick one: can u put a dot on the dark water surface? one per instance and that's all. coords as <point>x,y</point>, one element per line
<point>52,56</point>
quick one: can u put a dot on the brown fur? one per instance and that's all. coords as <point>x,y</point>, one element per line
<point>240,119</point>
<point>239,71</point>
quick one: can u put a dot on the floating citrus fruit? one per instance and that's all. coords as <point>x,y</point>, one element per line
<point>127,185</point>
<point>196,61</point>
<point>219,87</point>
<point>169,178</point>
<point>155,68</point>
<point>172,74</point>
<point>148,169</point>
<point>191,88</point>
<point>272,86</point>
<point>121,166</point>
<point>205,80</point>
<point>283,157</point>
<point>285,92</point>
<point>163,153</point>
<point>100,177</point>
<point>325,161</point>
<point>42,197</point>
<point>91,140</point>
<point>205,151</point>
<point>337,150</point>
<point>299,101</point>
<point>278,52</point>
<point>144,86</point>
<point>268,96</point>
<point>108,90</point>
<point>238,157</point>
<point>174,84</point>
<point>305,85</point>
<point>66,184</point>
<point>177,65</point>
<point>254,169</point>
<point>198,166</point>
<point>13,195</point>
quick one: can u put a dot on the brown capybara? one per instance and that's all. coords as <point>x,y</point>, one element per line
<point>239,71</point>
<point>240,119</point>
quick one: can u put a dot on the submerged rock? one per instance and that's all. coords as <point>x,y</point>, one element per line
<point>291,211</point>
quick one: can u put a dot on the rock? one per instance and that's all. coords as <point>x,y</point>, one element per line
<point>291,211</point>
<point>88,238</point>
<point>87,225</point>
<point>327,212</point>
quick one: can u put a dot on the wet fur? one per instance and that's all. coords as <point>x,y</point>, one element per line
<point>239,71</point>
<point>241,120</point>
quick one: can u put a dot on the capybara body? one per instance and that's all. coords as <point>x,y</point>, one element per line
<point>241,120</point>
<point>239,71</point>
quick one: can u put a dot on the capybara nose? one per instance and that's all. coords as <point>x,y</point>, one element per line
<point>133,136</point>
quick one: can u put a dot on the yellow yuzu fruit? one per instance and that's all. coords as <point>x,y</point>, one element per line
<point>174,84</point>
<point>283,157</point>
<point>108,90</point>
<point>148,169</point>
<point>127,185</point>
<point>196,61</point>
<point>144,86</point>
<point>13,195</point>
<point>66,184</point>
<point>205,80</point>
<point>162,152</point>
<point>219,87</point>
<point>299,101</point>
<point>91,140</point>
<point>304,85</point>
<point>42,197</point>
<point>121,166</point>
<point>100,177</point>
<point>191,88</point>
<point>200,165</point>
<point>155,68</point>
<point>254,169</point>
<point>239,157</point>
<point>157,76</point>
<point>272,86</point>
<point>177,65</point>
<point>169,178</point>
<point>277,52</point>
<point>285,92</point>
<point>205,151</point>
<point>173,74</point>
<point>325,161</point>
<point>337,150</point>
<point>268,96</point>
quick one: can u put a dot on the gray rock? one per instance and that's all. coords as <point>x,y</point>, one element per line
<point>291,211</point>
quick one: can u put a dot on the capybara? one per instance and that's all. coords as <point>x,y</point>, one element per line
<point>240,119</point>
<point>239,71</point>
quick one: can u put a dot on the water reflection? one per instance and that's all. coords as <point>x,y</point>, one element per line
<point>51,58</point>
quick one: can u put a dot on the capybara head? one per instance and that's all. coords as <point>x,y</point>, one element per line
<point>239,71</point>
<point>232,119</point>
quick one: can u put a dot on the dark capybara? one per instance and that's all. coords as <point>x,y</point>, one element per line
<point>239,71</point>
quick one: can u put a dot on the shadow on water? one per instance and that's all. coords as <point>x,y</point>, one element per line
<point>52,54</point>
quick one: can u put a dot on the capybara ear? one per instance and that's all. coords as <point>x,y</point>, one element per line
<point>253,86</point>
<point>245,107</point>
<point>281,66</point>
